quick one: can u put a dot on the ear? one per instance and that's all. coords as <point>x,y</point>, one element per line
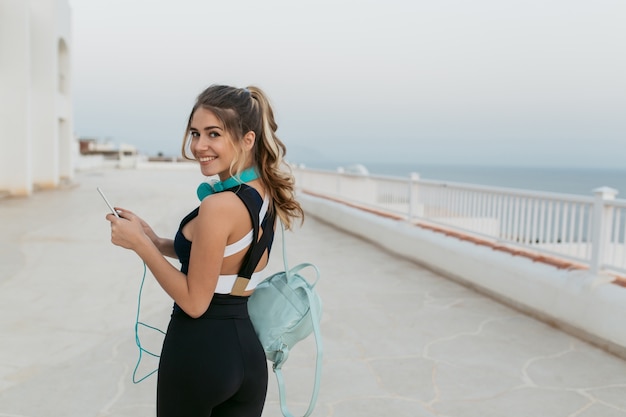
<point>248,141</point>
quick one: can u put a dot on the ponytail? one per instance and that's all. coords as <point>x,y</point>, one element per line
<point>274,172</point>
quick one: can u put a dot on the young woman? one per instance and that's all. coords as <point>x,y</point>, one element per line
<point>212,363</point>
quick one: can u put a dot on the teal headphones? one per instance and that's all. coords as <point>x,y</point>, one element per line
<point>205,189</point>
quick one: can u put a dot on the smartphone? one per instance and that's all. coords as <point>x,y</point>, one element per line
<point>107,201</point>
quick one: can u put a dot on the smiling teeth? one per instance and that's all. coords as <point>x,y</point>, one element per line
<point>206,159</point>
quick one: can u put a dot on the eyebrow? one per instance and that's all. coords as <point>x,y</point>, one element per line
<point>206,128</point>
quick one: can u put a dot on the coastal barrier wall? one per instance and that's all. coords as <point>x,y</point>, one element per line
<point>584,303</point>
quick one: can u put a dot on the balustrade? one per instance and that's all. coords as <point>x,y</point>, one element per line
<point>586,230</point>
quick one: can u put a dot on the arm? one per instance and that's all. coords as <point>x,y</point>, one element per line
<point>166,247</point>
<point>212,227</point>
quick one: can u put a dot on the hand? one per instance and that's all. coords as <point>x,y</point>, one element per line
<point>128,231</point>
<point>146,227</point>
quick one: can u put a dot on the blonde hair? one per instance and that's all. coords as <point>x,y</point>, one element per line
<point>242,110</point>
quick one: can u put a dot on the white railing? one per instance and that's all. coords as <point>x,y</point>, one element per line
<point>586,230</point>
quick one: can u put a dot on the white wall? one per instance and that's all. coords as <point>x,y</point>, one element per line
<point>44,134</point>
<point>64,109</point>
<point>585,305</point>
<point>15,85</point>
<point>36,126</point>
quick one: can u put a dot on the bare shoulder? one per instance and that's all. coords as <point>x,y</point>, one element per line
<point>221,204</point>
<point>224,215</point>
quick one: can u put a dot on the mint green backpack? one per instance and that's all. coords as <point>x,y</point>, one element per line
<point>284,309</point>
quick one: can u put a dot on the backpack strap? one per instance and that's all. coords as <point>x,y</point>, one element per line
<point>315,316</point>
<point>253,202</point>
<point>315,319</point>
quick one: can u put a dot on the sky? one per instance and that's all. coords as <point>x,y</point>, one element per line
<point>482,82</point>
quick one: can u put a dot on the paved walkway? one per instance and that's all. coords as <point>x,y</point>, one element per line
<point>399,340</point>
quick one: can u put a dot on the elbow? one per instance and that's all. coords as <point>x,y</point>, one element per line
<point>195,302</point>
<point>195,311</point>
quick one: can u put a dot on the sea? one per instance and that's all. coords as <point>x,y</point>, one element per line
<point>566,180</point>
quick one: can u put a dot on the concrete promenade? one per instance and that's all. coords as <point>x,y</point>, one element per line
<point>399,340</point>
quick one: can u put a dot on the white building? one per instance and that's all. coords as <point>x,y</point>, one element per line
<point>36,125</point>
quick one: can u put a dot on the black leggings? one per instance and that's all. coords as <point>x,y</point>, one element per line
<point>212,366</point>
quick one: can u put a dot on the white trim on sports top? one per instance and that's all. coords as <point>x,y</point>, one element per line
<point>225,282</point>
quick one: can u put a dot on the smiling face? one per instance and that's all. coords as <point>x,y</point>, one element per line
<point>212,146</point>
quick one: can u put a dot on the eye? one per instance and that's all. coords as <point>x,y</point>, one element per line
<point>214,134</point>
<point>194,134</point>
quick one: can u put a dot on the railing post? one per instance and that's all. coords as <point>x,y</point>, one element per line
<point>340,172</point>
<point>601,226</point>
<point>413,179</point>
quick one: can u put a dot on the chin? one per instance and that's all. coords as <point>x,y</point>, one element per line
<point>209,172</point>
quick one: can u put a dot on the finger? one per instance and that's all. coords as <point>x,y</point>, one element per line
<point>123,213</point>
<point>127,215</point>
<point>123,210</point>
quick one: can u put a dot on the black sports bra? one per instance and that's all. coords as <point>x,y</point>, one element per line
<point>256,207</point>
